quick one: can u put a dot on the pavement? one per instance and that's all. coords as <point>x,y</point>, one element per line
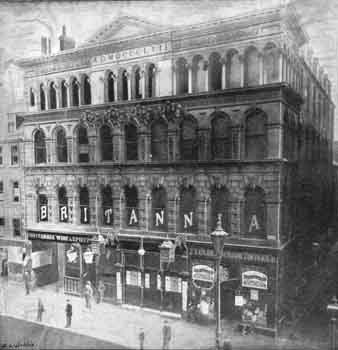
<point>120,325</point>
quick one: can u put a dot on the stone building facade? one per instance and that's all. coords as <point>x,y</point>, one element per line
<point>134,142</point>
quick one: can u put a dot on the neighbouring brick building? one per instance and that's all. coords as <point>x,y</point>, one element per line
<point>138,140</point>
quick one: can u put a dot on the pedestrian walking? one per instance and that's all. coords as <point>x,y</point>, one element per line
<point>166,333</point>
<point>88,294</point>
<point>26,277</point>
<point>69,314</point>
<point>41,310</point>
<point>101,288</point>
<point>141,338</point>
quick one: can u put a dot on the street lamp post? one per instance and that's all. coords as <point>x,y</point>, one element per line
<point>141,253</point>
<point>333,308</point>
<point>218,239</point>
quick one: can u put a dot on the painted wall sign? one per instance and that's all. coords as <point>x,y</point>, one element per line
<point>60,237</point>
<point>131,53</point>
<point>254,279</point>
<point>203,276</point>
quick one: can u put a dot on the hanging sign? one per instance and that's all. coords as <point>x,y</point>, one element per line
<point>203,276</point>
<point>72,255</point>
<point>88,256</point>
<point>167,252</point>
<point>239,300</point>
<point>254,279</point>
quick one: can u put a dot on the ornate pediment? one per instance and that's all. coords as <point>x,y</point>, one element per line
<point>123,27</point>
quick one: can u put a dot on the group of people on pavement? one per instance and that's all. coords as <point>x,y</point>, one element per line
<point>166,336</point>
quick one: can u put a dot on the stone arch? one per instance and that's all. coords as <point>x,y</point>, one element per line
<point>251,66</point>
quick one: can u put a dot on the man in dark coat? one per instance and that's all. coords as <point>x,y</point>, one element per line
<point>69,313</point>
<point>166,335</point>
<point>41,310</point>
<point>141,337</point>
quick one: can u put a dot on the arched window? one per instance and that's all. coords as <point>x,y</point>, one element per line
<point>215,72</point>
<point>131,199</point>
<point>136,86</point>
<point>187,213</point>
<point>52,96</point>
<point>42,207</point>
<point>40,147</point>
<point>151,75</point>
<point>106,143</point>
<point>42,98</point>
<point>256,135</point>
<point>107,205</point>
<point>75,92</point>
<point>159,141</point>
<point>270,64</point>
<point>188,140</point>
<point>220,207</point>
<point>111,87</point>
<point>159,209</point>
<point>181,76</point>
<point>198,74</point>
<point>221,137</point>
<point>251,67</point>
<point>87,95</point>
<point>63,204</point>
<point>84,206</point>
<point>255,213</point>
<point>31,97</point>
<point>83,145</point>
<point>64,98</point>
<point>233,68</point>
<point>124,85</point>
<point>61,146</point>
<point>130,133</point>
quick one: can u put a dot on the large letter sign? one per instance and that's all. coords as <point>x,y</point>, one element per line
<point>63,213</point>
<point>188,221</point>
<point>254,223</point>
<point>159,218</point>
<point>108,216</point>
<point>132,219</point>
<point>43,212</point>
<point>84,215</point>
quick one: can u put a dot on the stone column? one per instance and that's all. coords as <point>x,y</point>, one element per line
<point>281,66</point>
<point>70,149</point>
<point>54,212</point>
<point>172,145</point>
<point>224,78</point>
<point>189,78</point>
<point>173,79</point>
<point>261,68</point>
<point>50,153</point>
<point>47,98</point>
<point>115,87</point>
<point>204,144</point>
<point>117,145</point>
<point>58,95</point>
<point>157,73</point>
<point>92,148</point>
<point>69,101</point>
<point>206,72</point>
<point>129,85</point>
<point>76,206</point>
<point>143,84</point>
<point>241,60</point>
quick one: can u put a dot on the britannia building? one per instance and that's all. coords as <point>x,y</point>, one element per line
<point>138,141</point>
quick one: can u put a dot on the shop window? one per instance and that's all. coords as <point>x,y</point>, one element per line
<point>181,77</point>
<point>255,213</point>
<point>75,92</point>
<point>52,95</point>
<point>215,72</point>
<point>1,187</point>
<point>87,96</point>
<point>61,146</point>
<point>107,205</point>
<point>16,192</point>
<point>131,142</point>
<point>187,211</point>
<point>189,141</point>
<point>14,155</point>
<point>233,70</point>
<point>39,147</point>
<point>159,141</point>
<point>159,209</point>
<point>83,145</point>
<point>106,143</point>
<point>43,207</point>
<point>63,204</point>
<point>64,97</point>
<point>198,74</point>
<point>111,87</point>
<point>220,207</point>
<point>31,97</point>
<point>251,67</point>
<point>124,85</point>
<point>131,199</point>
<point>136,86</point>
<point>84,206</point>
<point>42,98</point>
<point>1,157</point>
<point>2,221</point>
<point>221,137</point>
<point>151,80</point>
<point>256,135</point>
<point>16,227</point>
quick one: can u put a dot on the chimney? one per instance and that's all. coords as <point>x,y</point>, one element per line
<point>66,43</point>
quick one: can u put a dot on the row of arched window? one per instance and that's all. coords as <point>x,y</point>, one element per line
<point>203,74</point>
<point>223,140</point>
<point>160,210</point>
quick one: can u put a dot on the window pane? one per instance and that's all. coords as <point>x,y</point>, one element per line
<point>61,145</point>
<point>189,140</point>
<point>159,209</point>
<point>159,141</point>
<point>131,142</point>
<point>106,143</point>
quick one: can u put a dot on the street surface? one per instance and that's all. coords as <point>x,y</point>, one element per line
<point>120,325</point>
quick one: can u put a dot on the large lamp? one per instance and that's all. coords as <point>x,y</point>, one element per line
<point>218,239</point>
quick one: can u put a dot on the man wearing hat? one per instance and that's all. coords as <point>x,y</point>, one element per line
<point>69,313</point>
<point>88,293</point>
<point>166,335</point>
